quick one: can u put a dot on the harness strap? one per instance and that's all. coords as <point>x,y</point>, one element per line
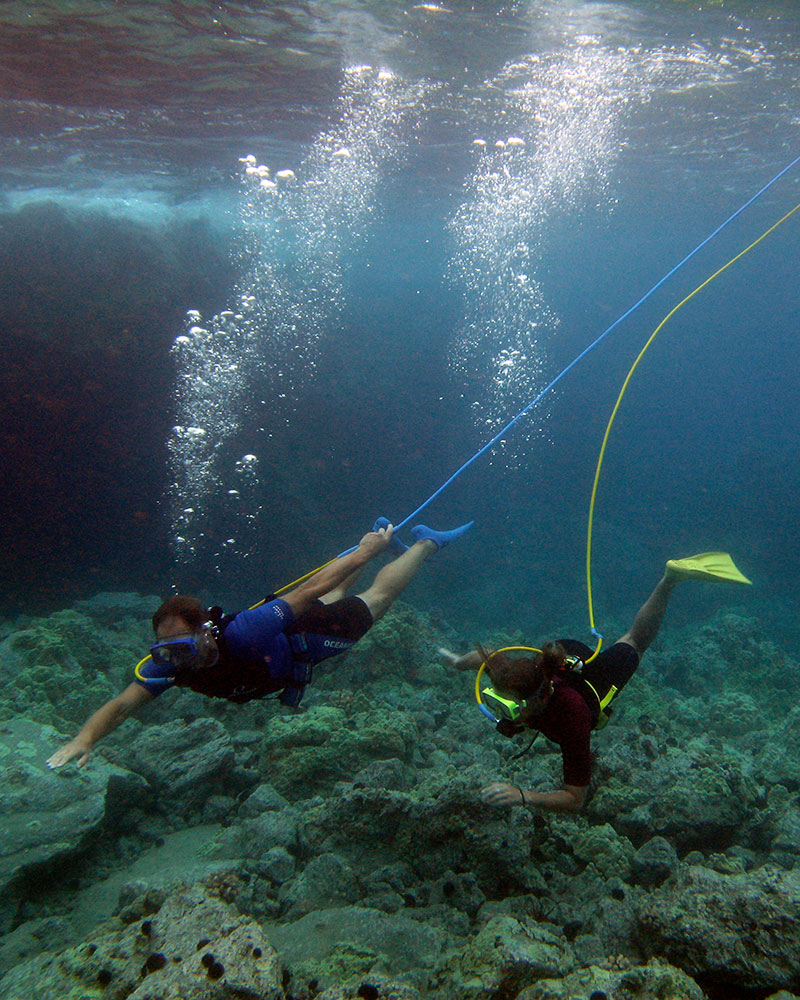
<point>301,671</point>
<point>293,692</point>
<point>603,702</point>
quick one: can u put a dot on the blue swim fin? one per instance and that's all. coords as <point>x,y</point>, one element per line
<point>421,533</point>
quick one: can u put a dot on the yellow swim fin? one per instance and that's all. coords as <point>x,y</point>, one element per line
<point>706,566</point>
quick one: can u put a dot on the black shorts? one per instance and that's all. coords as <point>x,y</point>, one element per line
<point>349,618</point>
<point>612,667</point>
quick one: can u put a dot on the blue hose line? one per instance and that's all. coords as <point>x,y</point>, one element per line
<point>594,344</point>
<point>487,713</point>
<point>585,351</point>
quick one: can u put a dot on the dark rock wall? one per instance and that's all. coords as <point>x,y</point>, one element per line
<point>89,306</point>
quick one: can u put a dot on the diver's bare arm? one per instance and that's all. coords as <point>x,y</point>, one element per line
<point>570,798</point>
<point>100,724</point>
<point>469,661</point>
<point>328,578</point>
<point>502,793</point>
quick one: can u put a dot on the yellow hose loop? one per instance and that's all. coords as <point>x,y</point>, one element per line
<point>599,645</point>
<point>622,391</point>
<point>137,670</point>
<point>478,682</point>
<point>505,649</point>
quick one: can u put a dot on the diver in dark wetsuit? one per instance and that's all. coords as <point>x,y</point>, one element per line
<point>557,695</point>
<point>270,648</point>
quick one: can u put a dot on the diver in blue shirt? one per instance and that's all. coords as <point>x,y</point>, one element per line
<point>270,648</point>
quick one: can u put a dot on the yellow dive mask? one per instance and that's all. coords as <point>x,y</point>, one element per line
<point>496,706</point>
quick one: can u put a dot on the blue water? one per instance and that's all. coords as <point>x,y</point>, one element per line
<point>410,290</point>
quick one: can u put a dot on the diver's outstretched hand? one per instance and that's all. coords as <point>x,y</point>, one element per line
<point>502,793</point>
<point>75,748</point>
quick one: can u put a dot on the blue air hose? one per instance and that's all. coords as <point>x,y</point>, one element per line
<point>591,347</point>
<point>585,351</point>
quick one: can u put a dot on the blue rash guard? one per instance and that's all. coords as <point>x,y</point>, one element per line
<point>267,649</point>
<point>255,658</point>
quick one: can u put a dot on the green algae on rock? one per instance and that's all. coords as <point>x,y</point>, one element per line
<point>654,981</point>
<point>307,753</point>
<point>47,817</point>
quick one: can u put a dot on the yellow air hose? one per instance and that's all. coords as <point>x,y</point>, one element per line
<point>653,336</point>
<point>505,649</point>
<point>622,391</point>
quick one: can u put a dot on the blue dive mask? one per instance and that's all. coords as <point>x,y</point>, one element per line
<point>176,654</point>
<point>172,656</point>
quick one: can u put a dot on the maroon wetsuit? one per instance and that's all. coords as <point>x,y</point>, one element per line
<point>568,721</point>
<point>572,710</point>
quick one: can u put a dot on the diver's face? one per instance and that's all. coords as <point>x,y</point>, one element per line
<point>176,627</point>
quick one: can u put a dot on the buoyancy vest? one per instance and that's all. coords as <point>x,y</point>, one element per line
<point>241,679</point>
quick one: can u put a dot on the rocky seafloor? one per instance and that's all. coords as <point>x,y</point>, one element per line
<point>218,851</point>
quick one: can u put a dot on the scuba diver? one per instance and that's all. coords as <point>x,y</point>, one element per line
<point>270,648</point>
<point>564,691</point>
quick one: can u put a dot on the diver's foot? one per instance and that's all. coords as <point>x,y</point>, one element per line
<point>395,545</point>
<point>422,533</point>
<point>716,566</point>
<point>674,571</point>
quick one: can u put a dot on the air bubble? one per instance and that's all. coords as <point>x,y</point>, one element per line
<point>569,106</point>
<point>227,363</point>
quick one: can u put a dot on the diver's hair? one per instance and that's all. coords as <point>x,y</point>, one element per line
<point>181,606</point>
<point>552,658</point>
<point>528,678</point>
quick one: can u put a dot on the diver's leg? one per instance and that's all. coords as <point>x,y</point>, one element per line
<point>650,616</point>
<point>393,579</point>
<point>341,590</point>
